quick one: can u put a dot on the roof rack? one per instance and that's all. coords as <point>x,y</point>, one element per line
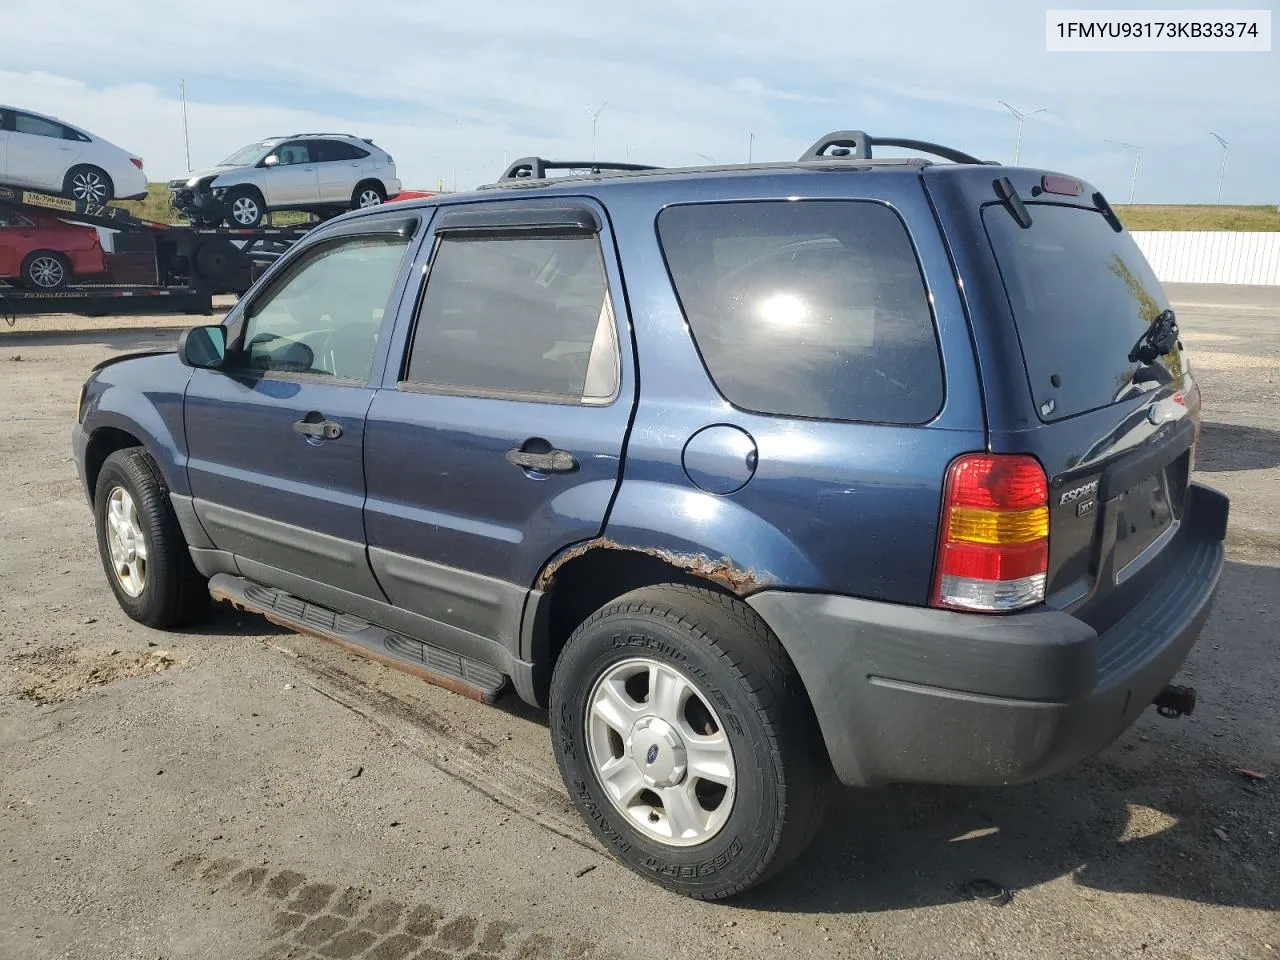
<point>857,144</point>
<point>535,168</point>
<point>288,136</point>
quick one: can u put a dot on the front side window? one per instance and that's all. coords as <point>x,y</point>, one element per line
<point>521,317</point>
<point>294,153</point>
<point>807,308</point>
<point>324,315</point>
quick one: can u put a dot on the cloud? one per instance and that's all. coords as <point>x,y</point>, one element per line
<point>448,87</point>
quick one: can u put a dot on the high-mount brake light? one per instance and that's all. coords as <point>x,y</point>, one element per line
<point>993,550</point>
<point>1053,183</point>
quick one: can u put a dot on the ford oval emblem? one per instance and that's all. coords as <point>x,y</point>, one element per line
<point>652,755</point>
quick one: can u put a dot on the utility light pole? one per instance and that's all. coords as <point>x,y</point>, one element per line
<point>186,138</point>
<point>1022,118</point>
<point>595,116</point>
<point>1137,155</point>
<point>1223,172</point>
<point>751,142</point>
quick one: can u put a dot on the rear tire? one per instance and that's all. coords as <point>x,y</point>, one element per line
<point>740,707</point>
<point>244,208</point>
<point>143,551</point>
<point>368,194</point>
<point>88,184</point>
<point>46,270</point>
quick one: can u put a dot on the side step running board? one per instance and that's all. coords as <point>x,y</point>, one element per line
<point>459,674</point>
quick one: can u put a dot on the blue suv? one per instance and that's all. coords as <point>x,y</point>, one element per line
<point>757,477</point>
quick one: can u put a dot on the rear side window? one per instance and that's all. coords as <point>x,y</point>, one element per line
<point>1081,296</point>
<point>518,318</point>
<point>807,308</point>
<point>330,151</point>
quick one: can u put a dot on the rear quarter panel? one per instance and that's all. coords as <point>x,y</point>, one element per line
<point>849,508</point>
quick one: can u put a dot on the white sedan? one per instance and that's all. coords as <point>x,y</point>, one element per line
<point>44,153</point>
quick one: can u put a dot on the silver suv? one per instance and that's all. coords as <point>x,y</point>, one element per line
<point>318,173</point>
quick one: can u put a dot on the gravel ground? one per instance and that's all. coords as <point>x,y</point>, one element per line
<point>242,792</point>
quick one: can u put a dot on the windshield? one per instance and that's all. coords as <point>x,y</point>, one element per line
<point>1082,296</point>
<point>246,156</point>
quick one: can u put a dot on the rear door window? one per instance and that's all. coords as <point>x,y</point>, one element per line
<point>807,308</point>
<point>1081,296</point>
<point>518,318</point>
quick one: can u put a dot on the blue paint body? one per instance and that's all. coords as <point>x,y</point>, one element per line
<point>830,527</point>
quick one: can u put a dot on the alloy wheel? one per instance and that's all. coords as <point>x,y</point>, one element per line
<point>88,185</point>
<point>660,752</point>
<point>46,272</point>
<point>126,542</point>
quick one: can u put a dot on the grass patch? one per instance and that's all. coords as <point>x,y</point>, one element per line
<point>1153,216</point>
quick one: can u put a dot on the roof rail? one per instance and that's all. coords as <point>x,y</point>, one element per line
<point>535,168</point>
<point>857,144</point>
<point>287,136</point>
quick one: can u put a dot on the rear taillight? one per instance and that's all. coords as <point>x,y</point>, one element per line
<point>136,161</point>
<point>993,552</point>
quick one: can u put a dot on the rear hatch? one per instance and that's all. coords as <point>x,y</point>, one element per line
<point>1113,410</point>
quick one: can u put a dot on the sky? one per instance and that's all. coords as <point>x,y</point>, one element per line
<point>453,89</point>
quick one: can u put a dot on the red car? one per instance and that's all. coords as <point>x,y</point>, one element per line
<point>41,251</point>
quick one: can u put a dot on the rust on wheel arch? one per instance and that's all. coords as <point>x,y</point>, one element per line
<point>722,571</point>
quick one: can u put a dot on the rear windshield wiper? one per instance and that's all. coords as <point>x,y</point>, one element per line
<point>1157,340</point>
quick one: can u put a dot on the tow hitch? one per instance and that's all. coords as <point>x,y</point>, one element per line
<point>1174,702</point>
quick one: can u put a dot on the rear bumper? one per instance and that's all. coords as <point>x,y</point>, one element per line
<point>910,694</point>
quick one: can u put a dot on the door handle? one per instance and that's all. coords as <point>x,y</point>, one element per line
<point>318,429</point>
<point>551,461</point>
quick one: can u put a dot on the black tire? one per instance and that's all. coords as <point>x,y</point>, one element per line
<point>88,184</point>
<point>782,773</point>
<point>173,592</point>
<point>364,193</point>
<point>244,208</point>
<point>46,270</point>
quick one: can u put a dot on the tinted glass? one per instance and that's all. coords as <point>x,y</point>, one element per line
<point>329,151</point>
<point>528,317</point>
<point>38,126</point>
<point>808,309</point>
<point>1081,296</point>
<point>10,218</point>
<point>324,315</point>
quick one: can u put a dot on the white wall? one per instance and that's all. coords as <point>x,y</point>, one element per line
<point>1212,256</point>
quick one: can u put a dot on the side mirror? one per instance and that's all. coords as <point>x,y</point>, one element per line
<point>270,161</point>
<point>203,347</point>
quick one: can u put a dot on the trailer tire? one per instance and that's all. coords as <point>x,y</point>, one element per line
<point>46,270</point>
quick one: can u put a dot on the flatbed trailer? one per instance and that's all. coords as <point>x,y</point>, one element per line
<point>191,264</point>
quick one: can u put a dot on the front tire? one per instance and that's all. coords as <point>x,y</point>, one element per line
<point>88,184</point>
<point>686,740</point>
<point>46,270</point>
<point>244,208</point>
<point>143,550</point>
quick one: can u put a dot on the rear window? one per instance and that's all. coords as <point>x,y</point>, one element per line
<point>1081,296</point>
<point>807,308</point>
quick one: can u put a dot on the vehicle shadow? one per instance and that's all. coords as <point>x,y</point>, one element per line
<point>1224,447</point>
<point>1162,811</point>
<point>115,338</point>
